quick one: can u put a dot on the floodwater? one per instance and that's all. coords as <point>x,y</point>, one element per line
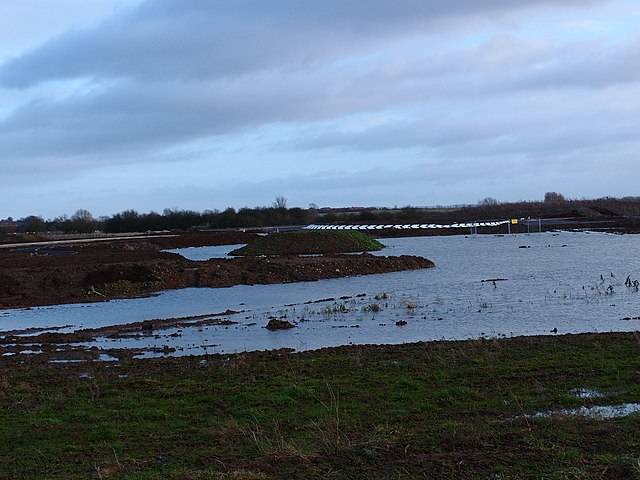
<point>199,254</point>
<point>549,283</point>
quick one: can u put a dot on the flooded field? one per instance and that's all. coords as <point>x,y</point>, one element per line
<point>482,286</point>
<point>205,253</point>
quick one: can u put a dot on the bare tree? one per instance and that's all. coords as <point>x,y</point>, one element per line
<point>82,215</point>
<point>554,197</point>
<point>488,201</point>
<point>280,203</point>
<point>82,221</point>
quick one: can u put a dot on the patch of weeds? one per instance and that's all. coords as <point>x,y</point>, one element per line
<point>213,475</point>
<point>374,307</point>
<point>335,309</point>
<point>269,441</point>
<point>330,432</point>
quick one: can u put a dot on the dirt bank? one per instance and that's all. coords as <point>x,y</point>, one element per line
<point>98,272</point>
<point>145,327</point>
<point>161,240</point>
<point>309,242</point>
<point>204,239</point>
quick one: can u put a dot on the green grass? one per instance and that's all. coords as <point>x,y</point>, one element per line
<point>436,410</point>
<point>310,242</point>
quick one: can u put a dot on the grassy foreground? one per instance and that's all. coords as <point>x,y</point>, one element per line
<point>432,410</point>
<point>310,242</point>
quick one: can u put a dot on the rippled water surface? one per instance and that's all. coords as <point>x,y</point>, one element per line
<point>548,283</point>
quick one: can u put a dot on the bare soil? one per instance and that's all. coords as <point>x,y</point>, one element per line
<point>124,269</point>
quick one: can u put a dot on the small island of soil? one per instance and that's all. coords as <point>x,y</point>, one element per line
<point>309,243</point>
<point>98,272</point>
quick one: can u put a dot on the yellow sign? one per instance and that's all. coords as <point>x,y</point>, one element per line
<point>514,221</point>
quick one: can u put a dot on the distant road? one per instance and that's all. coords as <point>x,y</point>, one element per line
<point>76,241</point>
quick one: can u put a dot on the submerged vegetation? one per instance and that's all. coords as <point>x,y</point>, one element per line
<point>443,410</point>
<point>310,243</point>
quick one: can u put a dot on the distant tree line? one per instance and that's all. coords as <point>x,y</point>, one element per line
<point>554,205</point>
<point>80,222</point>
<point>132,221</point>
<point>170,219</point>
<point>278,214</point>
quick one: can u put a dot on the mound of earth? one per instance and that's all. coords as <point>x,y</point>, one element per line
<point>9,285</point>
<point>309,242</point>
<point>128,273</point>
<point>275,324</point>
<point>106,270</point>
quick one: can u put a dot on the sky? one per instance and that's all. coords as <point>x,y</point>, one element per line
<point>204,104</point>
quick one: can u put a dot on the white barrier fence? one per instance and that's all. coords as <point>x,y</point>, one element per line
<point>413,226</point>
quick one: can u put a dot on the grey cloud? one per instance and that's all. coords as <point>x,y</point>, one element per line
<point>598,66</point>
<point>509,125</point>
<point>131,116</point>
<point>174,72</point>
<point>126,119</point>
<point>195,39</point>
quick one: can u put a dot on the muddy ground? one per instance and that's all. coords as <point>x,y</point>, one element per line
<point>124,269</point>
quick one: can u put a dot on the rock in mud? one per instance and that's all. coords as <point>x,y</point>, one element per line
<point>147,326</point>
<point>275,324</point>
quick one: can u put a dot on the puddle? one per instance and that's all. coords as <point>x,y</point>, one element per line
<point>596,412</point>
<point>105,357</point>
<point>587,393</point>
<point>22,352</point>
<point>200,254</point>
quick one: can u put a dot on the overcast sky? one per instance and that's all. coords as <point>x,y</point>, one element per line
<point>147,104</point>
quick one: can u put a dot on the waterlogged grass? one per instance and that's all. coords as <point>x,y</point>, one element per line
<point>435,410</point>
<point>310,242</point>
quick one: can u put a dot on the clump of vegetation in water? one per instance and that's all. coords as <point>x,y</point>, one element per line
<point>309,243</point>
<point>336,308</point>
<point>374,307</point>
